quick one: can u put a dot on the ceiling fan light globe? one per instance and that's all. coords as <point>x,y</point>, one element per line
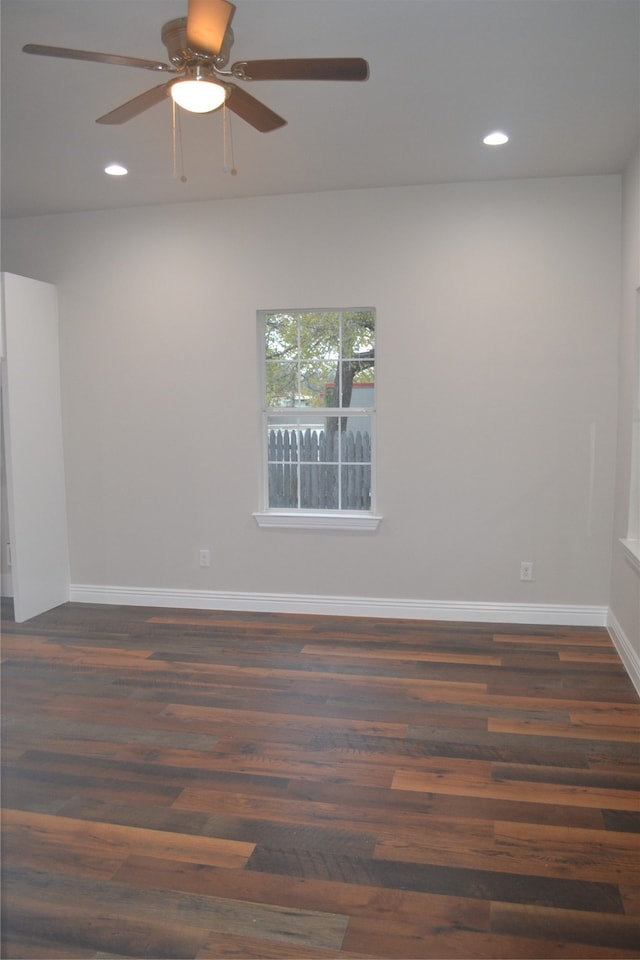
<point>198,95</point>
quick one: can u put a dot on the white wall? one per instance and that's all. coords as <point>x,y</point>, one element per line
<point>33,444</point>
<point>6,582</point>
<point>625,581</point>
<point>497,309</point>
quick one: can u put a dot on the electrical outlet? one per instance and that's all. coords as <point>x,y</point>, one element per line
<point>205,558</point>
<point>526,570</point>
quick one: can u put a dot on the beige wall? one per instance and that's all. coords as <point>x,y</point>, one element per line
<point>497,307</point>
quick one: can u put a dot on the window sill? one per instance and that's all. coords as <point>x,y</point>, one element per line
<point>632,548</point>
<point>316,520</point>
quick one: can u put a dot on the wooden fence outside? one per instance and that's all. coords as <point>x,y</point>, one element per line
<point>316,469</point>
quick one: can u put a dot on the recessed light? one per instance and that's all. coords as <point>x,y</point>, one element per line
<point>496,139</point>
<point>116,170</point>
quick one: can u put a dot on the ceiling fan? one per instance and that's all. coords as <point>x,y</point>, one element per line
<point>198,48</point>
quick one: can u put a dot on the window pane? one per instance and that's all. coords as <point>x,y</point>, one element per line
<point>358,333</point>
<point>282,465</point>
<point>281,336</point>
<point>356,441</point>
<point>317,384</point>
<point>319,344</point>
<point>319,486</point>
<point>319,336</point>
<point>282,384</point>
<point>355,478</point>
<point>319,463</point>
<point>357,383</point>
<point>356,487</point>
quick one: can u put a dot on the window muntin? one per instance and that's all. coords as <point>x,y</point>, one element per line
<point>317,366</point>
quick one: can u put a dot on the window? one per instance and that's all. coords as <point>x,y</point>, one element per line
<point>318,417</point>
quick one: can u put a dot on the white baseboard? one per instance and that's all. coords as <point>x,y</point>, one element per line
<point>626,652</point>
<point>478,612</point>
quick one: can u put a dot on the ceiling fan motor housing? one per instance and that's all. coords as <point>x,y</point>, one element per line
<point>174,37</point>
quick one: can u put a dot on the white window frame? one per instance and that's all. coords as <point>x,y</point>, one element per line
<point>311,519</point>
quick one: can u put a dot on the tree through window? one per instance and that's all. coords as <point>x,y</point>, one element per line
<point>319,408</point>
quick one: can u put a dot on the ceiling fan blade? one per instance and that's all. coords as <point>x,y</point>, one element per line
<point>137,105</point>
<point>335,68</point>
<point>252,110</point>
<point>69,54</point>
<point>207,23</point>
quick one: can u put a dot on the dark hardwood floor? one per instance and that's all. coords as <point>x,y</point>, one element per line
<point>209,785</point>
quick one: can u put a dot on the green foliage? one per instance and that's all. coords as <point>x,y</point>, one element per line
<point>312,355</point>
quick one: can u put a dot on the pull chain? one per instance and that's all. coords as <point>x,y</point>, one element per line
<point>227,136</point>
<point>176,134</point>
<point>176,144</point>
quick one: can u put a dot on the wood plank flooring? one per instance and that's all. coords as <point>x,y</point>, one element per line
<point>184,784</point>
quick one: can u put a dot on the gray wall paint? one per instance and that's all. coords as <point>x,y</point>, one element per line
<point>497,306</point>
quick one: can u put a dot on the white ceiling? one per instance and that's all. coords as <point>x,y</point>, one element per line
<point>561,76</point>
